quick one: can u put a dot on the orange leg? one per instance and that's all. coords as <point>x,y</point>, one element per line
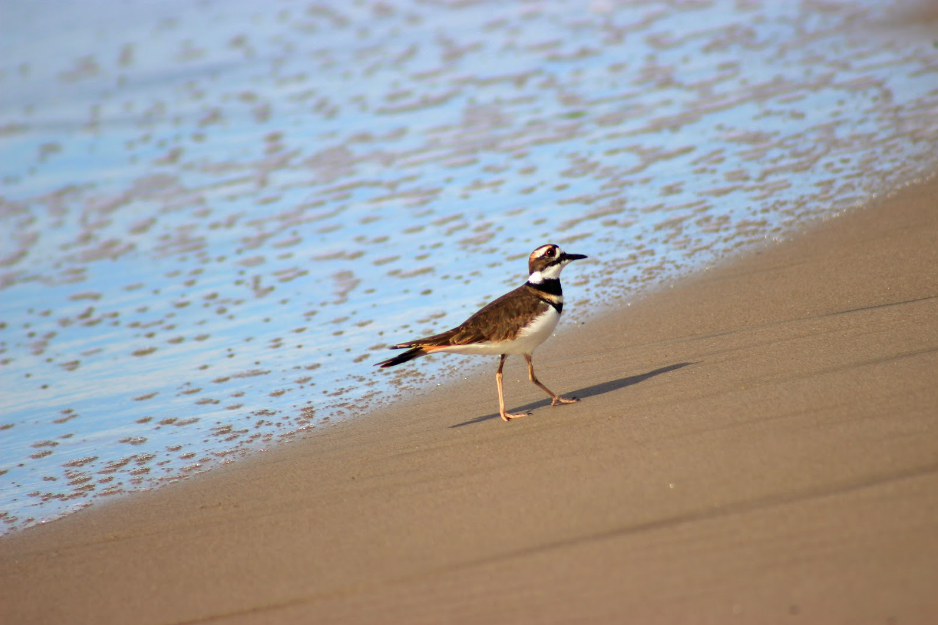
<point>507,416</point>
<point>555,399</point>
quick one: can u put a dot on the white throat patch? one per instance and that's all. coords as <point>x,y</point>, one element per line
<point>549,273</point>
<point>536,278</point>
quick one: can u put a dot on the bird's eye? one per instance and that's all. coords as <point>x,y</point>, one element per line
<point>549,252</point>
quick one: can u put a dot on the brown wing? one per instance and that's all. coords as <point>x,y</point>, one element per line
<point>496,321</point>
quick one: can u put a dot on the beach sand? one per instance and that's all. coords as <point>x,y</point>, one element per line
<point>756,444</point>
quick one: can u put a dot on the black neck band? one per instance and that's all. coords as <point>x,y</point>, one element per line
<point>550,287</point>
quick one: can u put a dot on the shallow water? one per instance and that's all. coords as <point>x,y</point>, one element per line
<point>216,216</point>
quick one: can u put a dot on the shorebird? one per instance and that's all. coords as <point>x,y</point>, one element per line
<point>515,323</point>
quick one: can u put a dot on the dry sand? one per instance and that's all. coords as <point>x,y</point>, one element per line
<point>756,445</point>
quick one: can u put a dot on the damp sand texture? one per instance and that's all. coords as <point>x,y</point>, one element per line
<point>214,218</point>
<point>756,444</point>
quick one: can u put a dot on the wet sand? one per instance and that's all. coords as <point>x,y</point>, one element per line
<point>207,234</point>
<point>758,444</point>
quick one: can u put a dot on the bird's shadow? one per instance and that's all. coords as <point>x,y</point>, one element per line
<point>589,391</point>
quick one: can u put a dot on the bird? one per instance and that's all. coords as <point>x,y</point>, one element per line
<point>515,323</point>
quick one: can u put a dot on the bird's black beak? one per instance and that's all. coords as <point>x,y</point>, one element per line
<point>570,257</point>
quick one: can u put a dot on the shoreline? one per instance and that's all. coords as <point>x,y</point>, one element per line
<point>757,441</point>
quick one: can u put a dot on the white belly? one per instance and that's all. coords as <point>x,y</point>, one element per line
<point>525,343</point>
<point>536,333</point>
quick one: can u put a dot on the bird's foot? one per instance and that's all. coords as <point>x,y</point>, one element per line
<point>508,416</point>
<point>564,400</point>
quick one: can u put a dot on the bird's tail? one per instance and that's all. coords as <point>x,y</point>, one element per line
<point>410,354</point>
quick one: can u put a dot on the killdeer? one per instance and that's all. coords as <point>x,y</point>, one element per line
<point>515,323</point>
